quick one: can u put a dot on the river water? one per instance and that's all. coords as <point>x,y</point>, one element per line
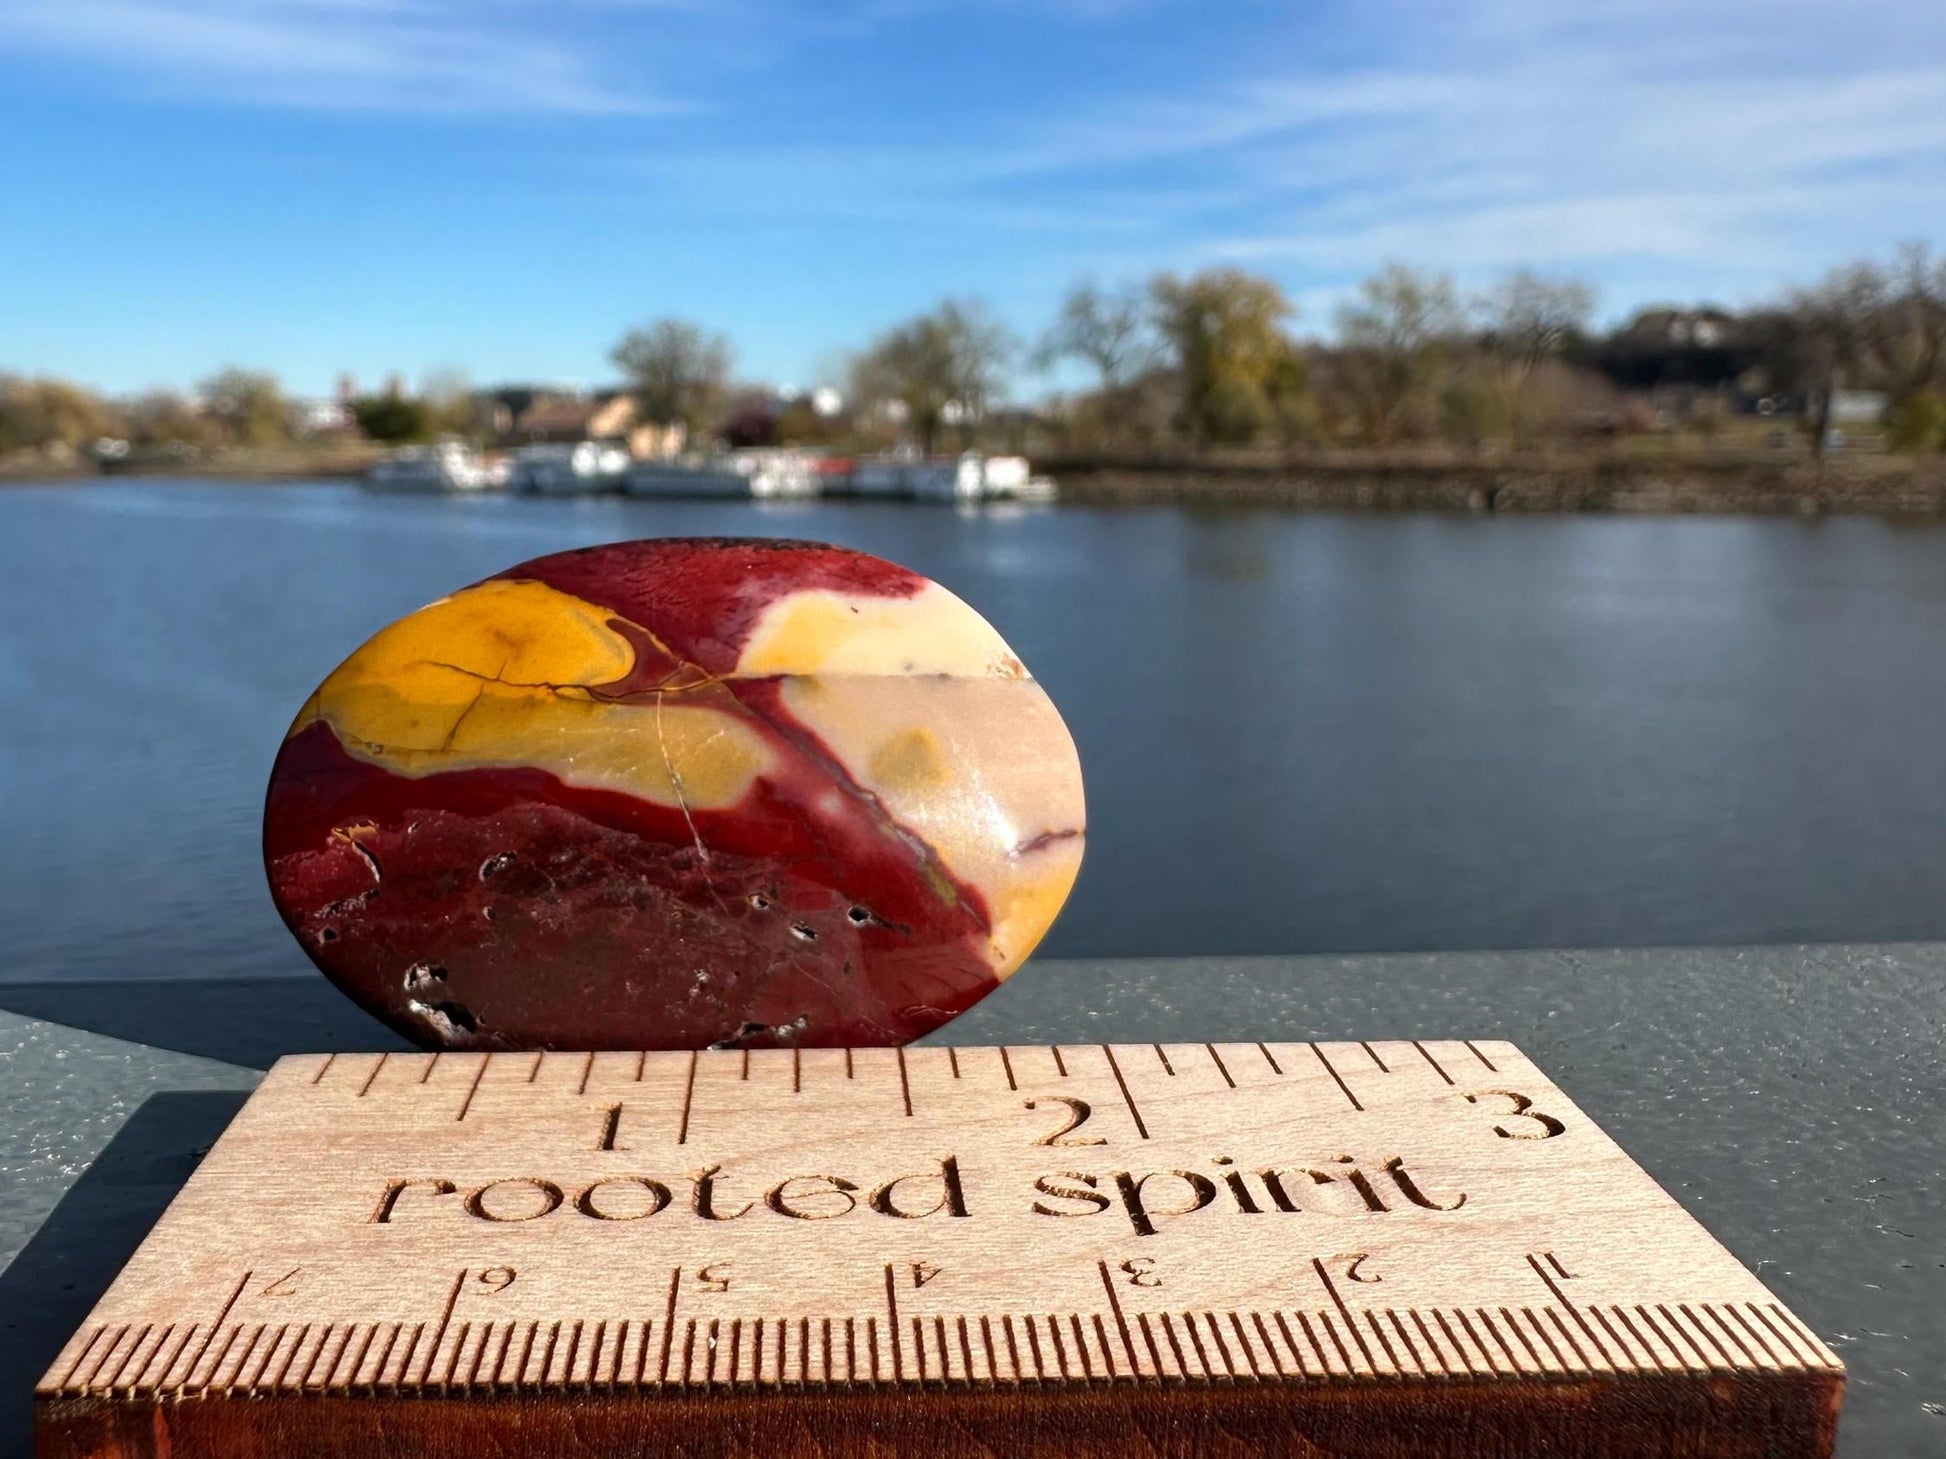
<point>1301,732</point>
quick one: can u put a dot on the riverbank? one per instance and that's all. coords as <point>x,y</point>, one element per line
<point>1638,479</point>
<point>1636,482</point>
<point>265,464</point>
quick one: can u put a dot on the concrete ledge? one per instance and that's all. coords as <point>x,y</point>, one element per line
<point>1794,1099</point>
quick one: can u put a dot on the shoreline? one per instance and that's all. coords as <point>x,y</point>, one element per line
<point>1691,483</point>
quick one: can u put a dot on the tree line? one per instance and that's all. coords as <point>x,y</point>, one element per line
<point>1213,359</point>
<point>233,408</point>
<point>1207,360</point>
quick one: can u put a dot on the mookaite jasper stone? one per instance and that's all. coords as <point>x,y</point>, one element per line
<point>673,794</point>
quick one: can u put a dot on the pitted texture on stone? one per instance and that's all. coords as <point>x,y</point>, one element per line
<point>676,793</point>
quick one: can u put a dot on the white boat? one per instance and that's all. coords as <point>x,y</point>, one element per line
<point>567,470</point>
<point>762,474</point>
<point>446,466</point>
<point>969,477</point>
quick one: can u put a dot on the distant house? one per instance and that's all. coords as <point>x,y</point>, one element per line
<point>520,415</point>
<point>565,419</point>
<point>312,417</point>
<point>1704,347</point>
<point>1705,327</point>
<point>1858,407</point>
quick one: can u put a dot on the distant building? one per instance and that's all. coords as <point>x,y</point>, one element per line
<point>569,418</point>
<point>319,415</point>
<point>523,415</point>
<point>1686,366</point>
<point>1858,407</point>
<point>1700,348</point>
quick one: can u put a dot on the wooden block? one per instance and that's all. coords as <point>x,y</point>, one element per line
<point>1380,1249</point>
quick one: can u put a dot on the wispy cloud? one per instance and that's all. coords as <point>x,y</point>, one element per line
<point>412,55</point>
<point>1566,159</point>
<point>1584,163</point>
<point>1632,132</point>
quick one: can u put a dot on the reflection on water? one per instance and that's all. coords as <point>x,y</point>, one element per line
<point>1300,732</point>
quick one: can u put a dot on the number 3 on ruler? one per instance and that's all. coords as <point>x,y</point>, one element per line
<point>1523,1108</point>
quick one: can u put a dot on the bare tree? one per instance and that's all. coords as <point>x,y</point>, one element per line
<point>1392,338</point>
<point>942,368</point>
<point>247,405</point>
<point>448,395</point>
<point>1822,339</point>
<point>1108,330</point>
<point>164,418</point>
<point>1909,346</point>
<point>1528,320</point>
<point>678,371</point>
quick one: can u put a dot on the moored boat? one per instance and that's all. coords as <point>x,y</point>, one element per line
<point>969,477</point>
<point>445,466</point>
<point>580,469</point>
<point>750,473</point>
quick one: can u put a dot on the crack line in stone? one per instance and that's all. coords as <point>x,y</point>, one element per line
<point>675,782</point>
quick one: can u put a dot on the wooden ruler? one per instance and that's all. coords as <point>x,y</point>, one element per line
<point>1383,1248</point>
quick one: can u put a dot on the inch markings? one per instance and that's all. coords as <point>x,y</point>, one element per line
<point>1121,1083</point>
<point>689,1094</point>
<point>1426,1054</point>
<point>326,1074</point>
<point>1336,1077</point>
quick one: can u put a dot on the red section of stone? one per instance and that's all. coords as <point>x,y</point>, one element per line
<point>504,909</point>
<point>701,595</point>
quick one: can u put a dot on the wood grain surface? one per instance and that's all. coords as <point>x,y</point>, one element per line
<point>1273,1248</point>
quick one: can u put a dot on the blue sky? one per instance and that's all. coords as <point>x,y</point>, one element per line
<point>502,186</point>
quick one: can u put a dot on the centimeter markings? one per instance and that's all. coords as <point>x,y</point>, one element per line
<point>1102,1346</point>
<point>909,1096</point>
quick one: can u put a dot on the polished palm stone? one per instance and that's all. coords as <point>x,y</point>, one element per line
<point>676,794</point>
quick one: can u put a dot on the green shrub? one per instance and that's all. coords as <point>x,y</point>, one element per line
<point>1918,423</point>
<point>393,419</point>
